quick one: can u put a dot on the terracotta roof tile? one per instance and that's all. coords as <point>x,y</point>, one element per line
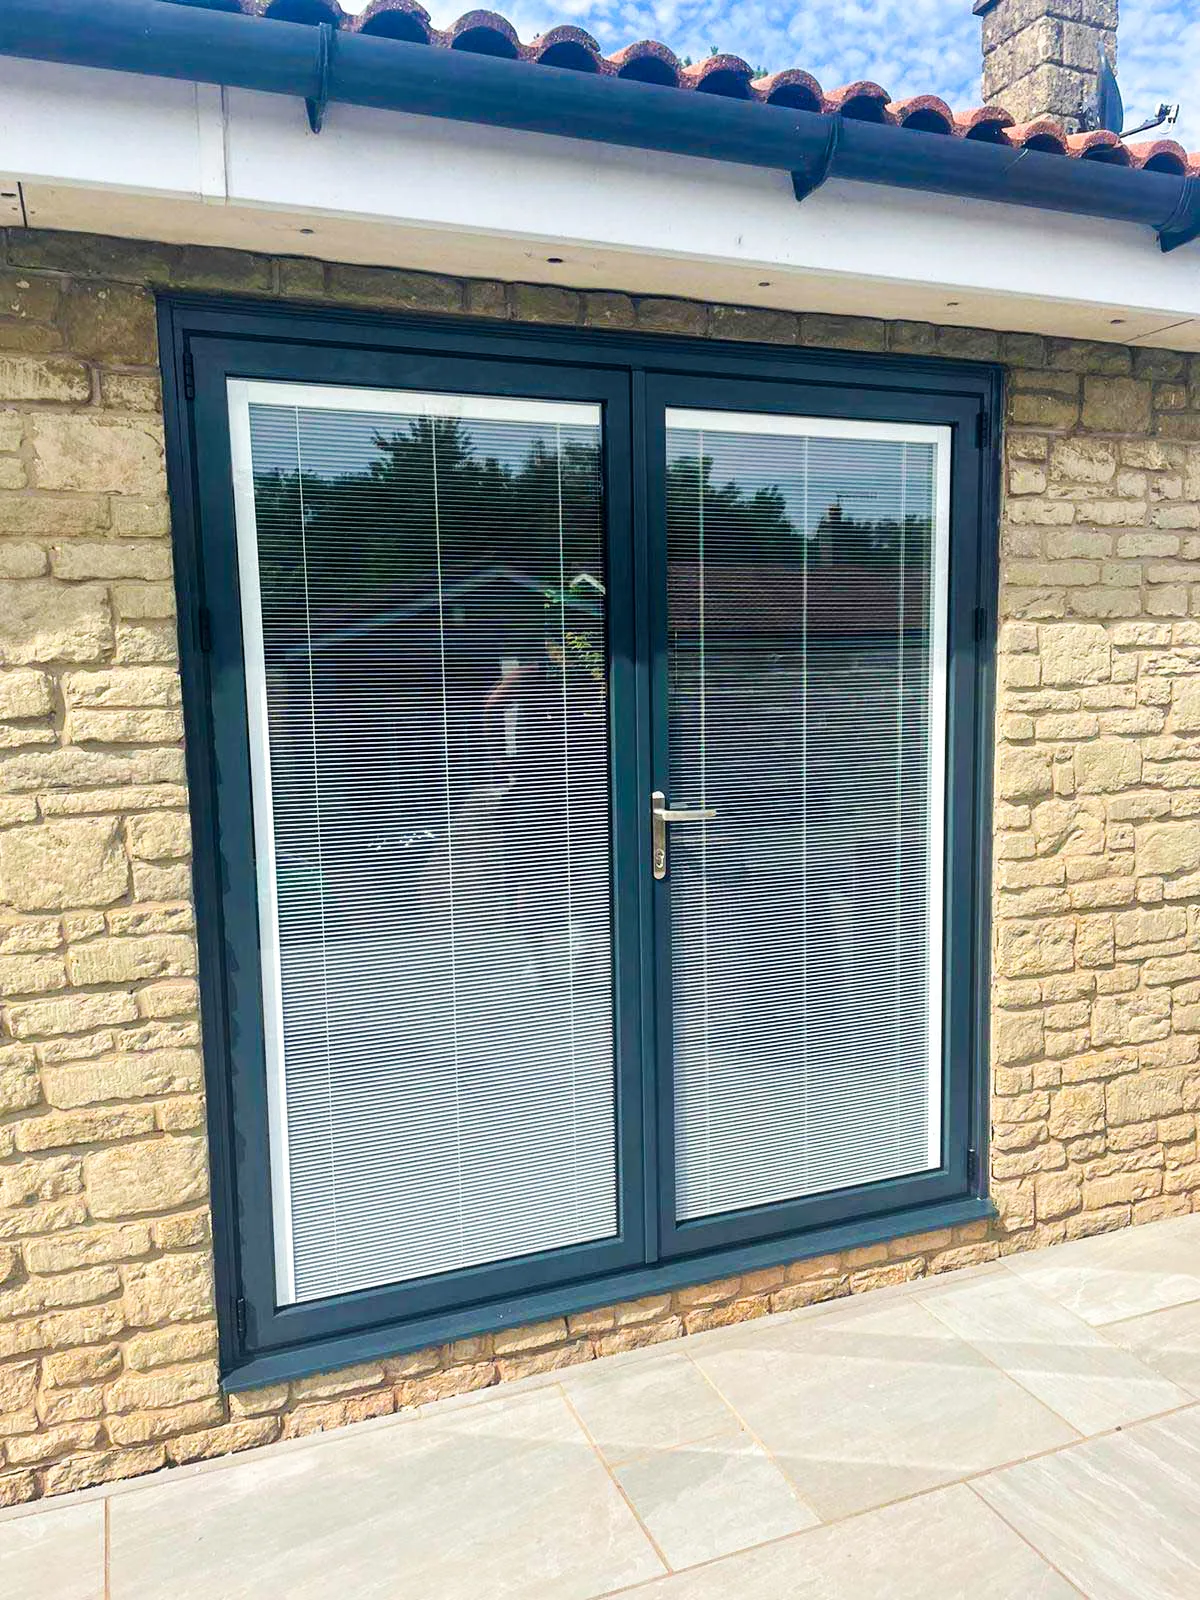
<point>866,101</point>
<point>791,87</point>
<point>1099,145</point>
<point>646,61</point>
<point>649,61</point>
<point>565,46</point>
<point>923,111</point>
<point>722,74</point>
<point>1044,134</point>
<point>397,19</point>
<point>987,123</point>
<point>1160,155</point>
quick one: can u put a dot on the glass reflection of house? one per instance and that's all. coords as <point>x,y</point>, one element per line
<point>450,704</point>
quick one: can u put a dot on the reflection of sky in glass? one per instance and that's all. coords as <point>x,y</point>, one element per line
<point>872,478</point>
<point>338,452</point>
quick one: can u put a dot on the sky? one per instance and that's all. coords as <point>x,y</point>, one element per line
<point>908,46</point>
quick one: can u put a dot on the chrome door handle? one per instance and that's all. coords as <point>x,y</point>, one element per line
<point>660,814</point>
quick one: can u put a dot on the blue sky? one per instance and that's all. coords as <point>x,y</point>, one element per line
<point>909,46</point>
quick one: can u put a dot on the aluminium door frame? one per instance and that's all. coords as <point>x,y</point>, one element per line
<point>952,1176</point>
<point>973,391</point>
<point>271,1321</point>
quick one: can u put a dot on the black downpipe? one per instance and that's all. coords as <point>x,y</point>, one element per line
<point>318,66</point>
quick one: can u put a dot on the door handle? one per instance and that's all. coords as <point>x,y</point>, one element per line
<point>660,814</point>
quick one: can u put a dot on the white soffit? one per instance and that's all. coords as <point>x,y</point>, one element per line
<point>190,163</point>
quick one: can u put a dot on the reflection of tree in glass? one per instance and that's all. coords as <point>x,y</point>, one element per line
<point>386,520</point>
<point>742,526</point>
<point>846,540</point>
<point>738,526</point>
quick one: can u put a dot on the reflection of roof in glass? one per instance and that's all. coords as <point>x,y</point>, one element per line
<point>579,597</point>
<point>782,599</point>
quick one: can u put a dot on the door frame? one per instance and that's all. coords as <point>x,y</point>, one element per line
<point>806,400</point>
<point>270,1321</point>
<point>337,339</point>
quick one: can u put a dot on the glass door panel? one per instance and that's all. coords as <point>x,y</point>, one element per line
<point>806,626</point>
<point>424,621</point>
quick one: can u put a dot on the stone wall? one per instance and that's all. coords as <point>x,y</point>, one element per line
<point>107,1335</point>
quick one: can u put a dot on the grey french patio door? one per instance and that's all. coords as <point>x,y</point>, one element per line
<point>797,811</point>
<point>588,747</point>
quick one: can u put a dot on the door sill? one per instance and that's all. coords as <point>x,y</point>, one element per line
<point>398,1338</point>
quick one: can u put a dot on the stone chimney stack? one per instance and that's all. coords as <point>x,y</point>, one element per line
<point>1041,57</point>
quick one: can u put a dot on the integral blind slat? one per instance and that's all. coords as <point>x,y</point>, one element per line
<point>806,583</point>
<point>424,622</point>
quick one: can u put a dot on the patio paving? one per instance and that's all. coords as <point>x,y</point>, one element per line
<point>1029,1428</point>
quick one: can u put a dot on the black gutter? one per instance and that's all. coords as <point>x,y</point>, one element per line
<point>319,66</point>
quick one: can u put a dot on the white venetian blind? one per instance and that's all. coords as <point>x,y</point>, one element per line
<point>424,618</point>
<point>806,619</point>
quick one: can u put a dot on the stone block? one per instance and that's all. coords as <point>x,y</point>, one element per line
<point>110,322</point>
<point>1075,653</point>
<point>23,560</point>
<point>1105,765</point>
<point>1185,705</point>
<point>225,1439</point>
<point>131,960</point>
<point>1116,405</point>
<point>31,974</point>
<point>1131,1019</point>
<point>44,378</point>
<point>1168,848</point>
<point>41,620</point>
<point>58,1130</point>
<point>126,727</point>
<point>111,558</point>
<point>1042,410</point>
<point>1027,949</point>
<point>1016,1036</point>
<point>180,1342</point>
<point>24,693</point>
<point>139,1179</point>
<point>98,453</point>
<point>162,1387</point>
<point>1022,773</point>
<point>63,863</point>
<point>201,267</point>
<point>843,333</point>
<point>755,323</point>
<point>20,1084</point>
<point>600,310</point>
<point>409,291</point>
<point>161,836</point>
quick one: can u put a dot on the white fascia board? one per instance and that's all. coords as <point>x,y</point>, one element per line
<point>111,130</point>
<point>578,193</point>
<point>184,162</point>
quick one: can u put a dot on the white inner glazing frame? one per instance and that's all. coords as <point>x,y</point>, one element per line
<point>940,438</point>
<point>241,394</point>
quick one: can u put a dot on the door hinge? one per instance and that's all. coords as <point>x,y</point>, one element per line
<point>189,376</point>
<point>204,630</point>
<point>973,1167</point>
<point>981,622</point>
<point>239,1318</point>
